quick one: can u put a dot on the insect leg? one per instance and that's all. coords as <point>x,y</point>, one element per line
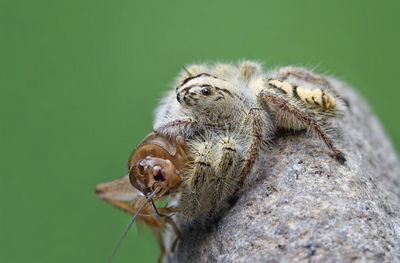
<point>178,234</point>
<point>120,194</point>
<point>157,229</point>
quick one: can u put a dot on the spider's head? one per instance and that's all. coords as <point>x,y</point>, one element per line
<point>206,94</point>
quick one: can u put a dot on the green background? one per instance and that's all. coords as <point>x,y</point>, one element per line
<point>79,81</point>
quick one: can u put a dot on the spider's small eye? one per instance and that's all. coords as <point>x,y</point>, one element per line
<point>204,75</point>
<point>206,91</point>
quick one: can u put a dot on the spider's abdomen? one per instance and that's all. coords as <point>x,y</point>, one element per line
<point>314,97</point>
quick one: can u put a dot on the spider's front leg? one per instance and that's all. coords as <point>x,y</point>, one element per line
<point>213,176</point>
<point>227,159</point>
<point>184,127</point>
<point>197,178</point>
<point>253,124</point>
<point>293,114</point>
<point>224,179</point>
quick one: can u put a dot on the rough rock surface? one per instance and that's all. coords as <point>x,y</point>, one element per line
<point>303,206</point>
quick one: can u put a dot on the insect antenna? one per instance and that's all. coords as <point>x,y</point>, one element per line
<point>155,211</point>
<point>148,199</point>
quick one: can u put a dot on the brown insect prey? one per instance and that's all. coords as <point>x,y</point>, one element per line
<point>154,166</point>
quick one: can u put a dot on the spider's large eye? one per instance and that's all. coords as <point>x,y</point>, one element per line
<point>206,91</point>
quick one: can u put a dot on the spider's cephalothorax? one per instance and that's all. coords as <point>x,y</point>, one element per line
<point>227,113</point>
<point>210,100</point>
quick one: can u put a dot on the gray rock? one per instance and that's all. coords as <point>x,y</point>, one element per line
<point>302,205</point>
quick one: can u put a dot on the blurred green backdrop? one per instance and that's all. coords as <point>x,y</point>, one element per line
<point>79,81</point>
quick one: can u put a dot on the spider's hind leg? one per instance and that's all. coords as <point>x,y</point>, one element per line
<point>292,113</point>
<point>286,73</point>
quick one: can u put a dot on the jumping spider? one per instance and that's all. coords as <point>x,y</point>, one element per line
<point>226,113</point>
<point>207,136</point>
